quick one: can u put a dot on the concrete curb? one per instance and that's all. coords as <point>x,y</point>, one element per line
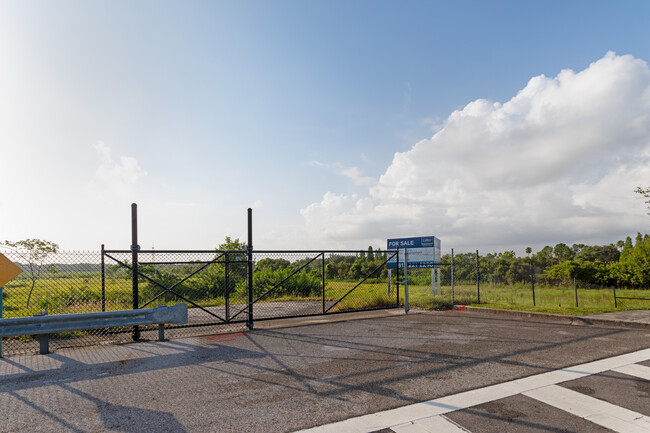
<point>558,318</point>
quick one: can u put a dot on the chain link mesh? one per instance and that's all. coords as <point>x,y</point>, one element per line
<point>62,283</point>
<point>214,284</point>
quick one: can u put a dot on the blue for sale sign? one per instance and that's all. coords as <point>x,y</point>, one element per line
<point>423,252</point>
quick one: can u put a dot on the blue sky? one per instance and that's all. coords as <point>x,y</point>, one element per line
<point>199,110</point>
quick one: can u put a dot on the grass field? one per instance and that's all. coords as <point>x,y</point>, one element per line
<point>548,299</point>
<point>80,295</point>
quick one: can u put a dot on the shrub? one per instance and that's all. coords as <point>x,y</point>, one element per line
<point>299,284</point>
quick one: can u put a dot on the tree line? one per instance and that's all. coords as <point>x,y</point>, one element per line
<point>624,264</point>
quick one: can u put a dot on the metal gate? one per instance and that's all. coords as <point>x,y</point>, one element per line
<point>212,283</point>
<point>306,283</point>
<point>239,287</point>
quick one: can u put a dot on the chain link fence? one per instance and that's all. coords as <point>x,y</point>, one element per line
<point>291,284</point>
<point>62,283</point>
<point>224,295</point>
<point>214,284</point>
<point>448,283</point>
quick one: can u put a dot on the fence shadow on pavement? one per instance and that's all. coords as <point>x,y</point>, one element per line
<point>298,363</point>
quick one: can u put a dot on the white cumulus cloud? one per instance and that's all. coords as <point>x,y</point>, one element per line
<point>118,176</point>
<point>556,163</point>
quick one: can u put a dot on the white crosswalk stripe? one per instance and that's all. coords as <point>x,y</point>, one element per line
<point>635,370</point>
<point>417,418</point>
<point>434,424</point>
<point>592,409</point>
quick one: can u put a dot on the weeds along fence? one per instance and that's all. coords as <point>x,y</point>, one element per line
<point>225,291</point>
<point>466,280</point>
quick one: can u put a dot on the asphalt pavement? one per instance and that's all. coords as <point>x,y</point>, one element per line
<point>286,376</point>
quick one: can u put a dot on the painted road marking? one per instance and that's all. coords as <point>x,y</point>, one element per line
<point>637,370</point>
<point>435,424</point>
<point>440,406</point>
<point>592,409</point>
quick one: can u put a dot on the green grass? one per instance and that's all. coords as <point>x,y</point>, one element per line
<point>548,299</point>
<point>83,294</point>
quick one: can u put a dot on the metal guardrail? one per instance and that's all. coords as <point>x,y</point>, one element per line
<point>44,325</point>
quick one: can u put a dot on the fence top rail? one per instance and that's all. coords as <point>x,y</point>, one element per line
<point>244,251</point>
<point>174,251</point>
<point>323,251</point>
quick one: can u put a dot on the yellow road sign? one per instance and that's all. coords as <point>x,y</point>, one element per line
<point>8,270</point>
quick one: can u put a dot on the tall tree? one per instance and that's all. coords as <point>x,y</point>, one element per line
<point>562,252</point>
<point>627,249</point>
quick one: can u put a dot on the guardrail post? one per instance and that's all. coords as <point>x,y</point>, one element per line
<point>43,339</point>
<point>249,252</point>
<point>134,262</point>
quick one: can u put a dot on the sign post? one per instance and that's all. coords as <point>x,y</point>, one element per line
<point>8,271</point>
<point>406,283</point>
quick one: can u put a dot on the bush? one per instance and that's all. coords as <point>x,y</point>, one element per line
<point>300,284</point>
<point>204,286</point>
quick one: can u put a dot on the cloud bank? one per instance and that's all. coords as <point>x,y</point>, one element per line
<point>556,163</point>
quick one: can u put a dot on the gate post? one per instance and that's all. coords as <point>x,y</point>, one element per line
<point>478,278</point>
<point>452,278</point>
<point>134,262</point>
<point>227,290</point>
<point>103,281</point>
<point>249,253</point>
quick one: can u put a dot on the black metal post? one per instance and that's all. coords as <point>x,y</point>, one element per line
<point>227,292</point>
<point>249,251</point>
<point>478,279</point>
<point>615,302</point>
<point>323,283</point>
<point>134,260</point>
<point>397,277</point>
<point>452,278</point>
<point>532,279</point>
<point>103,282</point>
